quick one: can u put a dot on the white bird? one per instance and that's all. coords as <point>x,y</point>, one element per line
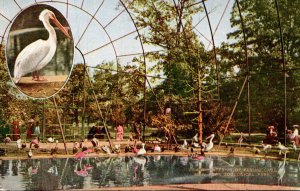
<point>294,146</point>
<point>38,54</point>
<point>196,145</point>
<point>210,145</point>
<point>117,148</point>
<point>281,170</point>
<point>142,150</point>
<point>266,147</point>
<point>157,148</point>
<point>30,153</point>
<point>195,138</point>
<point>184,145</point>
<point>256,150</point>
<point>282,148</point>
<point>19,144</point>
<point>240,140</point>
<point>50,140</point>
<point>95,142</point>
<point>106,149</point>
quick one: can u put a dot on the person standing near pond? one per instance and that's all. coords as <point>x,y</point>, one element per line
<point>37,130</point>
<point>16,130</point>
<point>119,131</point>
<point>30,128</point>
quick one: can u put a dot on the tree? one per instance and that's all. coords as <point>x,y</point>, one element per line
<point>265,62</point>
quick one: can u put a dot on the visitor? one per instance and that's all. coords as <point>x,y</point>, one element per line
<point>30,128</point>
<point>119,132</point>
<point>92,132</point>
<point>271,131</point>
<point>37,130</point>
<point>294,135</point>
<point>16,130</point>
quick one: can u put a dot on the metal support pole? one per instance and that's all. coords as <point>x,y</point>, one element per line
<point>200,117</point>
<point>44,120</point>
<point>214,49</point>
<point>61,129</point>
<point>233,110</point>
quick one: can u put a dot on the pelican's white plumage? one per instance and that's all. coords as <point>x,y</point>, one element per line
<point>210,145</point>
<point>38,54</point>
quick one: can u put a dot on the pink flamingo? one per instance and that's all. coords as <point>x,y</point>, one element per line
<point>88,167</point>
<point>198,157</point>
<point>79,155</point>
<point>35,143</point>
<point>82,172</point>
<point>87,151</point>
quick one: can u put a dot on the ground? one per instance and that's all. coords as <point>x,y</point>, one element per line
<point>41,89</point>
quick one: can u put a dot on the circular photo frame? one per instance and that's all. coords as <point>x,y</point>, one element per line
<point>40,51</point>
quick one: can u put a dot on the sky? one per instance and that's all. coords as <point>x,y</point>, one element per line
<point>95,23</point>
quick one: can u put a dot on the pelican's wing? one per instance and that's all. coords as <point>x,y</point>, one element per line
<point>30,57</point>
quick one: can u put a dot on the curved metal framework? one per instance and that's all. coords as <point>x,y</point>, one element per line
<point>142,53</point>
<point>111,40</point>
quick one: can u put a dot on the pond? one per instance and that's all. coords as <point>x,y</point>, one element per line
<point>87,173</point>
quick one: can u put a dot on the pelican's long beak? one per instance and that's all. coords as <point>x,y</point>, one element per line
<point>208,137</point>
<point>63,29</point>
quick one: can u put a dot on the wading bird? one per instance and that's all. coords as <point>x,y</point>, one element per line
<point>240,140</point>
<point>210,145</point>
<point>142,150</point>
<point>282,148</point>
<point>266,147</point>
<point>38,54</point>
<point>29,154</point>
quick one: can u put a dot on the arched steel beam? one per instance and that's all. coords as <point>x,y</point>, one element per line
<point>247,68</point>
<point>283,69</point>
<point>145,69</point>
<point>214,49</point>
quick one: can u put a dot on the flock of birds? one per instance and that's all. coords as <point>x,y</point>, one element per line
<point>81,149</point>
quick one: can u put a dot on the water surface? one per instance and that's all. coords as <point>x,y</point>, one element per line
<point>69,173</point>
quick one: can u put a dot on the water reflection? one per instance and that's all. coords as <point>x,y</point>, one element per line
<point>49,174</point>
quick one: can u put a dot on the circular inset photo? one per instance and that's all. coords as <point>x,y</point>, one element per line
<point>40,51</point>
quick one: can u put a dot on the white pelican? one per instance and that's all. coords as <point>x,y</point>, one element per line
<point>106,149</point>
<point>38,54</point>
<point>195,138</point>
<point>50,140</point>
<point>210,145</point>
<point>282,148</point>
<point>184,145</point>
<point>142,150</point>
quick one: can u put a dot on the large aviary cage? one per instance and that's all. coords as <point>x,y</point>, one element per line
<point>108,38</point>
